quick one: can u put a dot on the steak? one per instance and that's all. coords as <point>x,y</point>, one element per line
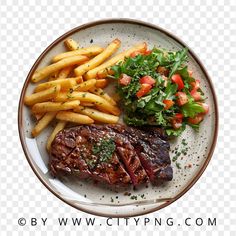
<point>112,154</point>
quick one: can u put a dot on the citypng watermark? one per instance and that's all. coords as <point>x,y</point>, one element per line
<point>110,222</point>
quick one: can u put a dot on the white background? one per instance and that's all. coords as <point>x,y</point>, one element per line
<point>28,27</point>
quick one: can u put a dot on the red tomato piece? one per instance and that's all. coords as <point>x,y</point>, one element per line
<point>182,98</point>
<point>176,78</point>
<point>168,104</point>
<point>205,107</point>
<point>145,88</point>
<point>147,80</point>
<point>195,84</point>
<point>124,79</point>
<point>148,52</point>
<point>177,121</point>
<point>196,120</point>
<point>196,95</point>
<point>135,53</point>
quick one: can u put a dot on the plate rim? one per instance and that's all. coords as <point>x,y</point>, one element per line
<point>109,21</point>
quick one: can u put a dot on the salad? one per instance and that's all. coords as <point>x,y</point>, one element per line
<point>157,88</point>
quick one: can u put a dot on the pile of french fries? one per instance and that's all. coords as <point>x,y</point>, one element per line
<point>74,90</point>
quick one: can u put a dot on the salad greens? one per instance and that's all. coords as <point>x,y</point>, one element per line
<point>171,101</point>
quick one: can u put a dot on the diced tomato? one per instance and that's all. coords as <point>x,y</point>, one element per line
<point>145,88</point>
<point>177,121</point>
<point>148,52</point>
<point>168,104</point>
<point>179,116</point>
<point>205,107</point>
<point>190,72</point>
<point>196,95</point>
<point>147,80</point>
<point>195,84</point>
<point>176,78</point>
<point>124,79</point>
<point>182,98</point>
<point>135,53</point>
<point>196,120</point>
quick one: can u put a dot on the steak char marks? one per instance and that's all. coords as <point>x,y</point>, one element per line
<point>138,155</point>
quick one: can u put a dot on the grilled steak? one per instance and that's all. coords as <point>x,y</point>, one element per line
<point>112,154</point>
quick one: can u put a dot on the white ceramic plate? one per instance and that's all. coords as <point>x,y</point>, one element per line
<point>113,202</point>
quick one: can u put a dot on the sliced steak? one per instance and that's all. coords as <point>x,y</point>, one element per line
<point>137,155</point>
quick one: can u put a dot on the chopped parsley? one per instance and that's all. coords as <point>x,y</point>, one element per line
<point>104,149</point>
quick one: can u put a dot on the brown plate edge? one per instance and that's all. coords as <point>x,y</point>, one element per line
<point>108,21</point>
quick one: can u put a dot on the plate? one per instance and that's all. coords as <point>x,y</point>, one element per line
<point>104,201</point>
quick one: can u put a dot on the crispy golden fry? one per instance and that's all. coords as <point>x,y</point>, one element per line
<point>87,104</point>
<point>74,117</point>
<point>102,83</point>
<point>54,106</point>
<point>88,97</point>
<point>89,51</point>
<point>97,115</point>
<point>102,69</point>
<point>38,116</point>
<point>101,93</point>
<point>53,76</point>
<point>85,86</point>
<point>71,44</point>
<point>46,71</point>
<point>42,96</point>
<point>79,79</point>
<point>60,126</point>
<point>64,73</point>
<point>65,84</point>
<point>112,47</point>
<point>43,123</point>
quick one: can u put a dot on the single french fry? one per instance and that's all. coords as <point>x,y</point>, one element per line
<point>60,126</point>
<point>64,83</point>
<point>38,116</point>
<point>53,76</point>
<point>43,123</point>
<point>101,83</point>
<point>87,104</point>
<point>112,47</point>
<point>71,44</point>
<point>74,117</point>
<point>97,115</point>
<point>42,73</point>
<point>85,86</point>
<point>64,73</point>
<point>101,93</point>
<point>89,51</point>
<point>54,106</point>
<point>88,97</point>
<point>42,96</point>
<point>102,69</point>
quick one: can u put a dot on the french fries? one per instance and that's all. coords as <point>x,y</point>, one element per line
<point>38,116</point>
<point>102,69</point>
<point>97,115</point>
<point>101,83</point>
<point>43,123</point>
<point>89,51</point>
<point>74,117</point>
<point>54,106</point>
<point>64,83</point>
<point>42,96</point>
<point>71,44</point>
<point>46,71</point>
<point>64,73</point>
<point>101,93</point>
<point>85,86</point>
<point>112,47</point>
<point>60,126</point>
<point>88,97</point>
